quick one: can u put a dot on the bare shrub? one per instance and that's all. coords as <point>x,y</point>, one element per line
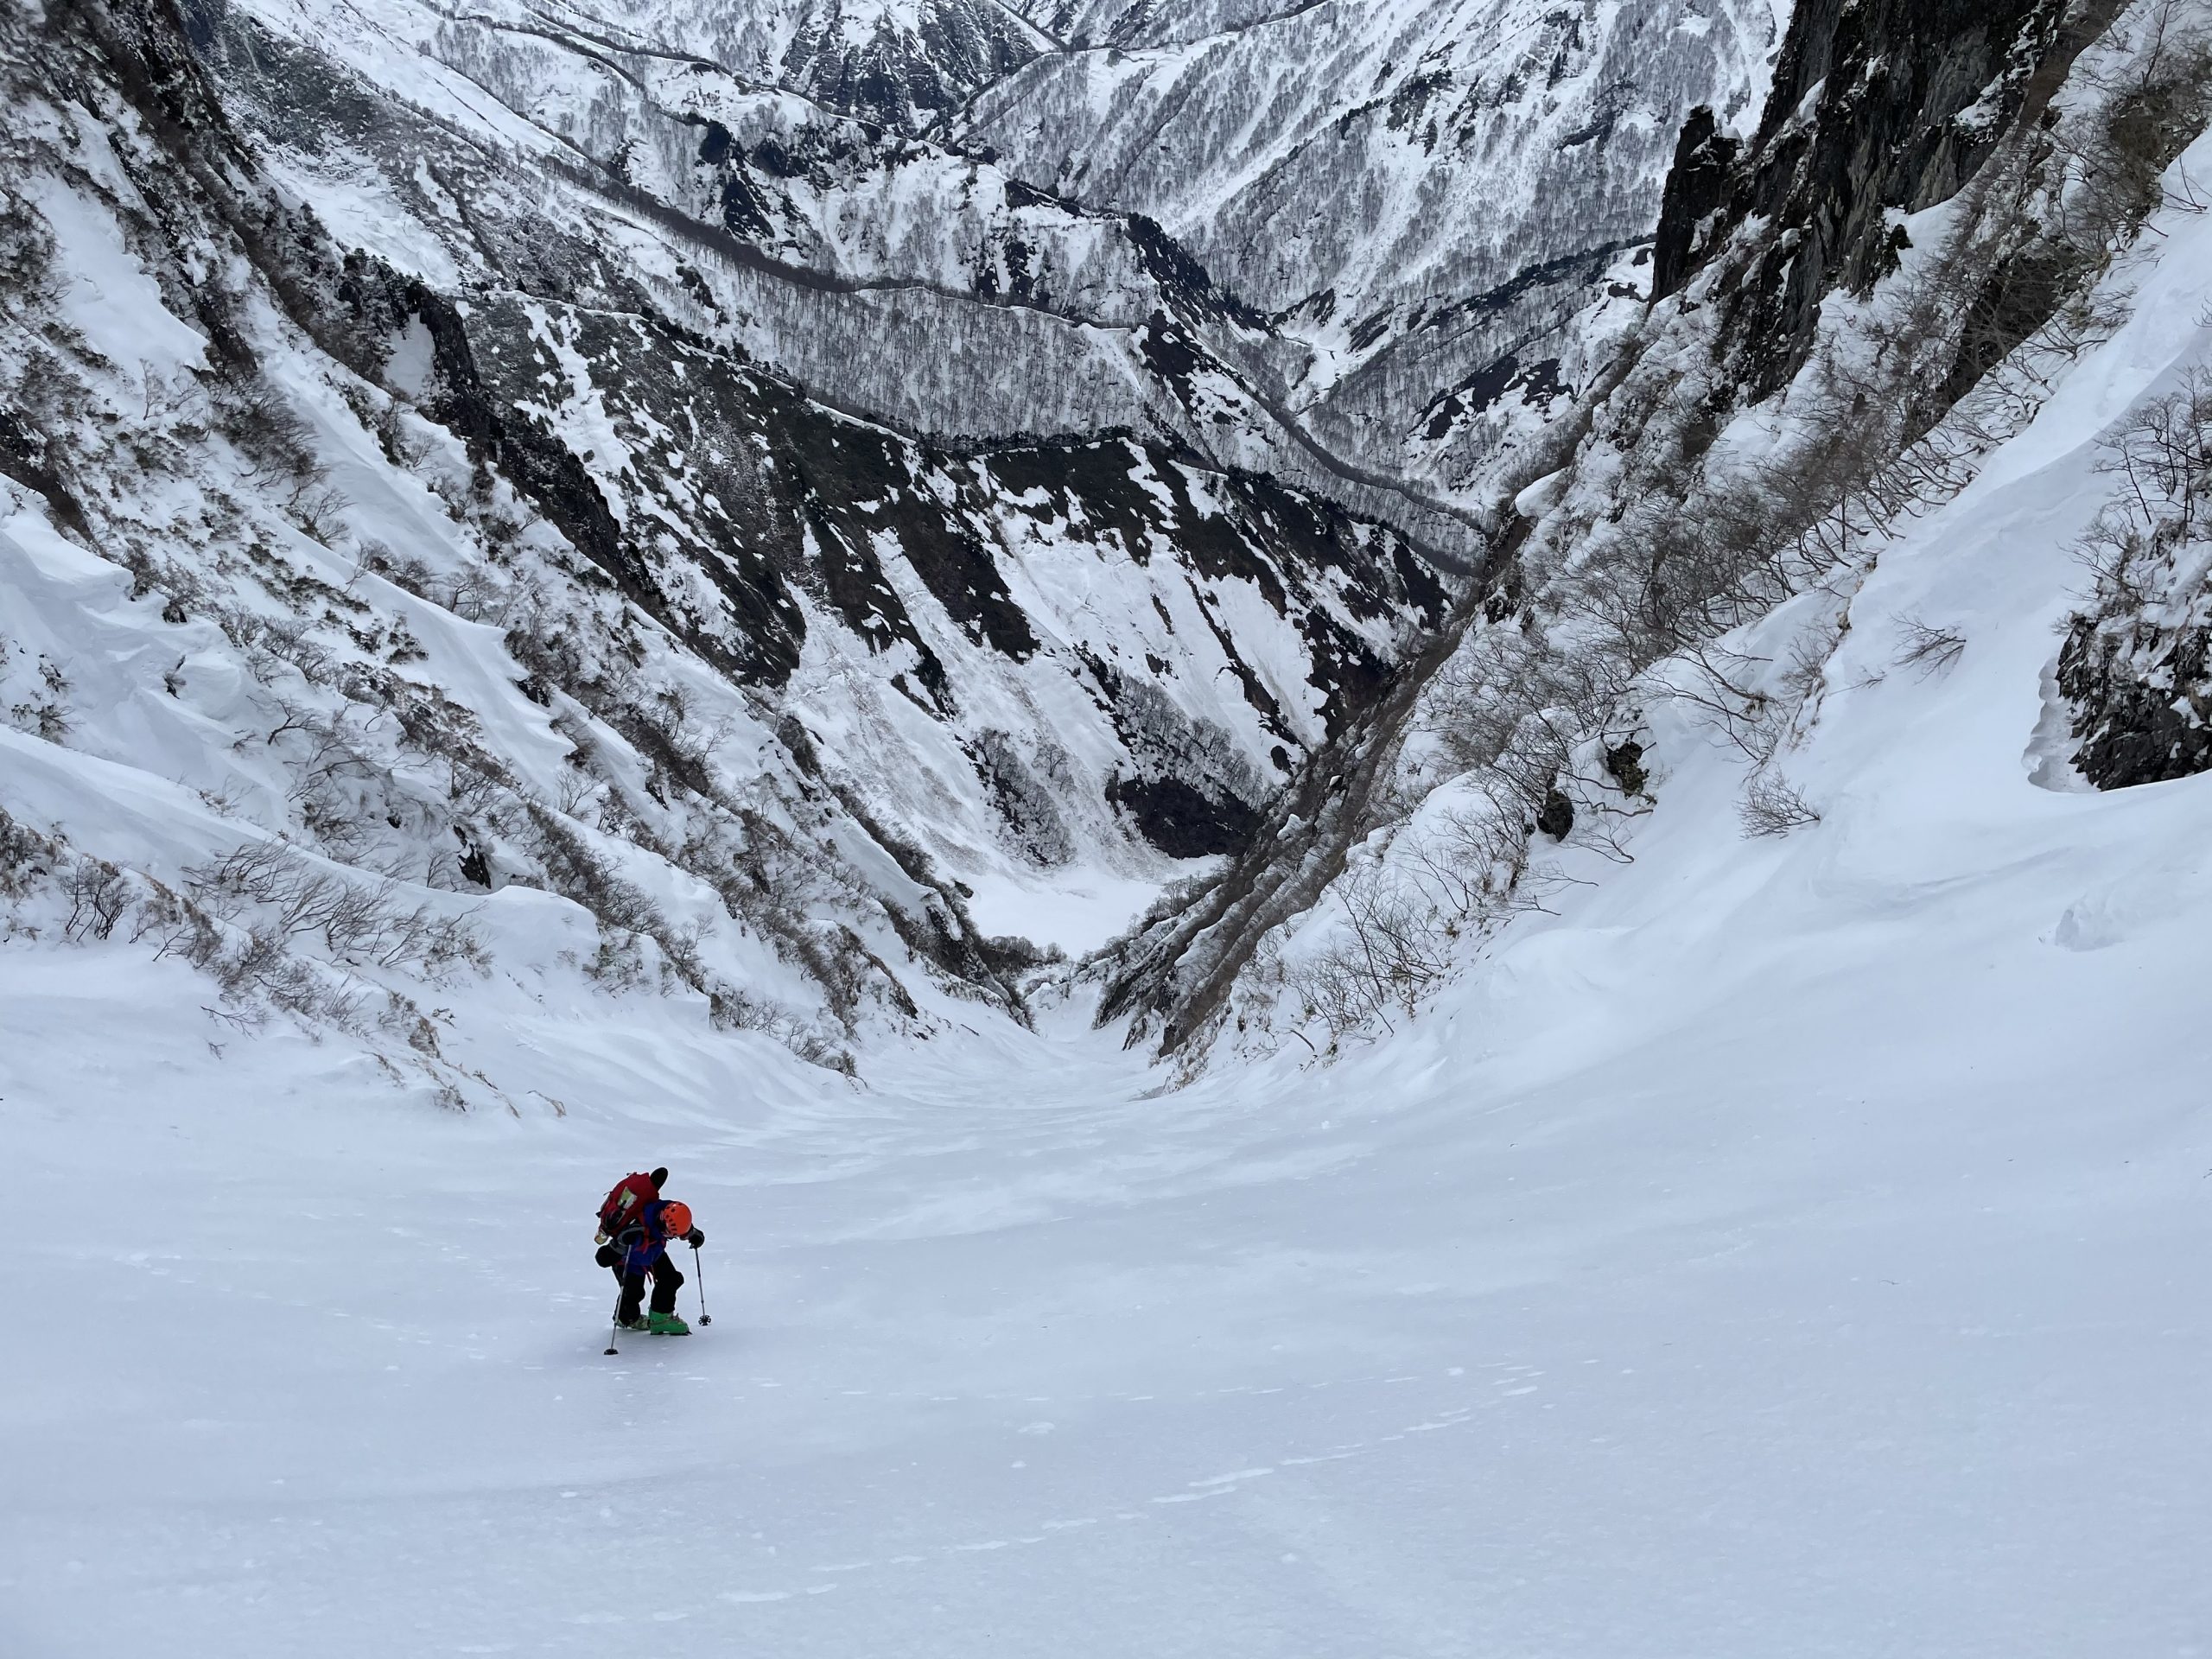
<point>472,594</point>
<point>1472,860</point>
<point>27,858</point>
<point>252,968</point>
<point>45,712</point>
<point>2163,456</point>
<point>403,1016</point>
<point>735,1009</point>
<point>27,254</point>
<point>361,925</point>
<point>403,447</point>
<point>260,966</point>
<point>577,873</point>
<point>1927,647</point>
<point>332,760</point>
<point>316,509</point>
<point>264,426</point>
<point>1389,949</point>
<point>161,908</point>
<point>2154,101</point>
<point>271,644</point>
<point>2133,668</point>
<point>185,930</point>
<point>626,914</point>
<point>1718,683</point>
<point>97,893</point>
<point>2122,560</point>
<point>1772,806</point>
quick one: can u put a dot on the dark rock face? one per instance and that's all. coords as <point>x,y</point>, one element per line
<point>485,369</point>
<point>1557,817</point>
<point>1879,106</point>
<point>1625,762</point>
<point>24,458</point>
<point>2143,702</point>
<point>1182,821</point>
<point>2136,668</point>
<point>1181,971</point>
<point>1181,277</point>
<point>1697,187</point>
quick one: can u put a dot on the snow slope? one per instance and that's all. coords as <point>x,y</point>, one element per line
<point>1788,1247</point>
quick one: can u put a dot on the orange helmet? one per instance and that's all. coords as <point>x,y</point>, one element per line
<point>675,1218</point>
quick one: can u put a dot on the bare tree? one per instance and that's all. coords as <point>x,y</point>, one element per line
<point>1927,648</point>
<point>1772,806</point>
<point>98,893</point>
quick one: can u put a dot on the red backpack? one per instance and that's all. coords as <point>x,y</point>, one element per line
<point>625,1205</point>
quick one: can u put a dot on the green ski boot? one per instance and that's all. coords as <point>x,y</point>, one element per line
<point>665,1324</point>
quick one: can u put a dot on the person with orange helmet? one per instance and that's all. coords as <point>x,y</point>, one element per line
<point>636,1224</point>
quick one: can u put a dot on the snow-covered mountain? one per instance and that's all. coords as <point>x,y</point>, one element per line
<point>836,680</point>
<point>1685,1132</point>
<point>896,65</point>
<point>839,498</point>
<point>921,548</point>
<point>1420,196</point>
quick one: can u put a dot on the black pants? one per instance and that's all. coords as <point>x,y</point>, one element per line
<point>666,1282</point>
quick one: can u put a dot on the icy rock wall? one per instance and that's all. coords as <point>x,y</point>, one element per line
<point>1878,112</point>
<point>2136,671</point>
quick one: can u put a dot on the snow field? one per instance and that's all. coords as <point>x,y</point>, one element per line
<point>1792,1247</point>
<point>1788,1247</point>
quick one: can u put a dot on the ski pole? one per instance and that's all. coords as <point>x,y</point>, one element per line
<point>699,1284</point>
<point>614,1323</point>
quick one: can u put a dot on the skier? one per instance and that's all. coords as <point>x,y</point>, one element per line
<point>635,1226</point>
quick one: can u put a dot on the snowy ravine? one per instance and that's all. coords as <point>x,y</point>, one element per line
<point>531,700</point>
<point>1792,1247</point>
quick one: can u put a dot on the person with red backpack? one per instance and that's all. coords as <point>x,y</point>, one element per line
<point>635,1226</point>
